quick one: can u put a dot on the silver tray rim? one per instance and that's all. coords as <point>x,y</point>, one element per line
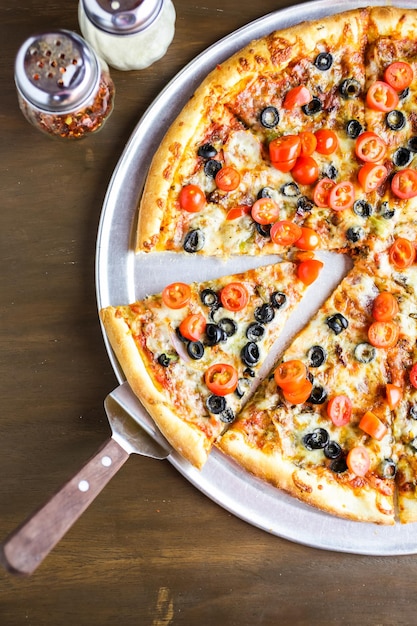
<point>122,276</point>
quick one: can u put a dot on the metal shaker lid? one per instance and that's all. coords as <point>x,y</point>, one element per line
<point>57,71</point>
<point>122,17</point>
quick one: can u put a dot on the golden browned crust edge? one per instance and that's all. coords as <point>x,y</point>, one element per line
<point>183,436</point>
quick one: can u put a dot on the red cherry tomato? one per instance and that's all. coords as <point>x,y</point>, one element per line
<point>413,375</point>
<point>404,184</point>
<point>382,97</point>
<point>372,426</point>
<point>308,143</point>
<point>342,196</point>
<point>285,148</point>
<point>383,334</point>
<point>299,395</point>
<point>339,409</point>
<point>308,239</point>
<point>221,379</point>
<point>402,253</point>
<point>394,395</point>
<point>192,199</point>
<point>308,270</point>
<point>290,375</point>
<point>238,211</point>
<point>227,178</point>
<point>265,211</point>
<point>305,170</point>
<point>399,75</point>
<point>234,296</point>
<point>370,147</point>
<point>285,232</point>
<point>385,307</point>
<point>193,326</point>
<point>371,176</point>
<point>176,295</point>
<point>296,97</point>
<point>358,460</point>
<point>284,166</point>
<point>322,191</point>
<point>327,141</point>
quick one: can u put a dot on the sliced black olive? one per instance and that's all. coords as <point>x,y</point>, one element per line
<point>413,444</point>
<point>304,205</point>
<point>227,416</point>
<point>290,190</point>
<point>255,332</point>
<point>355,233</point>
<point>214,335</point>
<point>250,353</point>
<point>337,323</point>
<point>318,395</point>
<point>180,335</point>
<point>332,450</point>
<point>314,106</point>
<point>412,144</point>
<point>263,229</point>
<point>264,314</point>
<point>323,61</point>
<point>404,93</point>
<point>164,360</point>
<point>207,151</point>
<point>278,299</point>
<point>242,387</point>
<point>402,157</point>
<point>317,356</point>
<point>395,120</point>
<point>194,240</point>
<point>209,297</point>
<point>316,440</point>
<point>228,326</point>
<point>216,404</point>
<point>413,412</point>
<point>364,352</point>
<point>349,88</point>
<point>249,372</point>
<point>211,168</point>
<point>388,468</point>
<point>338,466</point>
<point>195,350</point>
<point>386,211</point>
<point>330,171</point>
<point>269,117</point>
<point>354,129</point>
<point>362,208</point>
<point>266,192</point>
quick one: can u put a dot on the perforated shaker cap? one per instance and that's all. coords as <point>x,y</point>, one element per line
<point>122,17</point>
<point>57,71</point>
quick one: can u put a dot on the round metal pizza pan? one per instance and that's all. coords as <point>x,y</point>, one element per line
<point>122,277</point>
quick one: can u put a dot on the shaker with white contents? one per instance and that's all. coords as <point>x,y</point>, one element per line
<point>128,34</point>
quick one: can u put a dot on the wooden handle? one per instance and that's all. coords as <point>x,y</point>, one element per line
<point>24,550</point>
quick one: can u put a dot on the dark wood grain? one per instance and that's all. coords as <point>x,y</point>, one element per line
<point>151,550</point>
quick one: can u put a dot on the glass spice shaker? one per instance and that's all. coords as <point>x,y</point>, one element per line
<point>128,34</point>
<point>63,88</point>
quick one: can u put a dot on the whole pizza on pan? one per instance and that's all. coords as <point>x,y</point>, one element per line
<point>305,140</point>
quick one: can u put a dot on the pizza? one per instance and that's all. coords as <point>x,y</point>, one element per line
<point>302,142</point>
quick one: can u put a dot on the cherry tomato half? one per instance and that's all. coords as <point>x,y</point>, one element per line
<point>238,211</point>
<point>394,395</point>
<point>193,326</point>
<point>371,176</point>
<point>284,166</point>
<point>192,199</point>
<point>221,379</point>
<point>285,148</point>
<point>285,232</point>
<point>358,460</point>
<point>370,147</point>
<point>308,271</point>
<point>322,191</point>
<point>402,253</point>
<point>234,296</point>
<point>382,97</point>
<point>176,295</point>
<point>413,375</point>
<point>227,178</point>
<point>308,143</point>
<point>404,184</point>
<point>290,375</point>
<point>399,75</point>
<point>305,170</point>
<point>308,239</point>
<point>372,426</point>
<point>339,409</point>
<point>327,141</point>
<point>265,211</point>
<point>342,196</point>
<point>299,395</point>
<point>383,334</point>
<point>296,97</point>
<point>385,307</point>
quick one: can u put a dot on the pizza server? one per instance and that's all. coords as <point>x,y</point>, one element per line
<point>133,431</point>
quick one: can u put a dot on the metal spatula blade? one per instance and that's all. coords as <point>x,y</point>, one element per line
<point>25,548</point>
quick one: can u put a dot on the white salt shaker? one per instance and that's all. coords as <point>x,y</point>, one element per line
<point>128,34</point>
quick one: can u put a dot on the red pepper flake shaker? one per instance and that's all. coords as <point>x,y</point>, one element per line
<point>64,89</point>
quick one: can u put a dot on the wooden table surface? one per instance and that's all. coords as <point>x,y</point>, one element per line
<point>151,549</point>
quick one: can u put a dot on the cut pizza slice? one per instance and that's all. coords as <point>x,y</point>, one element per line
<point>192,354</point>
<point>320,427</point>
